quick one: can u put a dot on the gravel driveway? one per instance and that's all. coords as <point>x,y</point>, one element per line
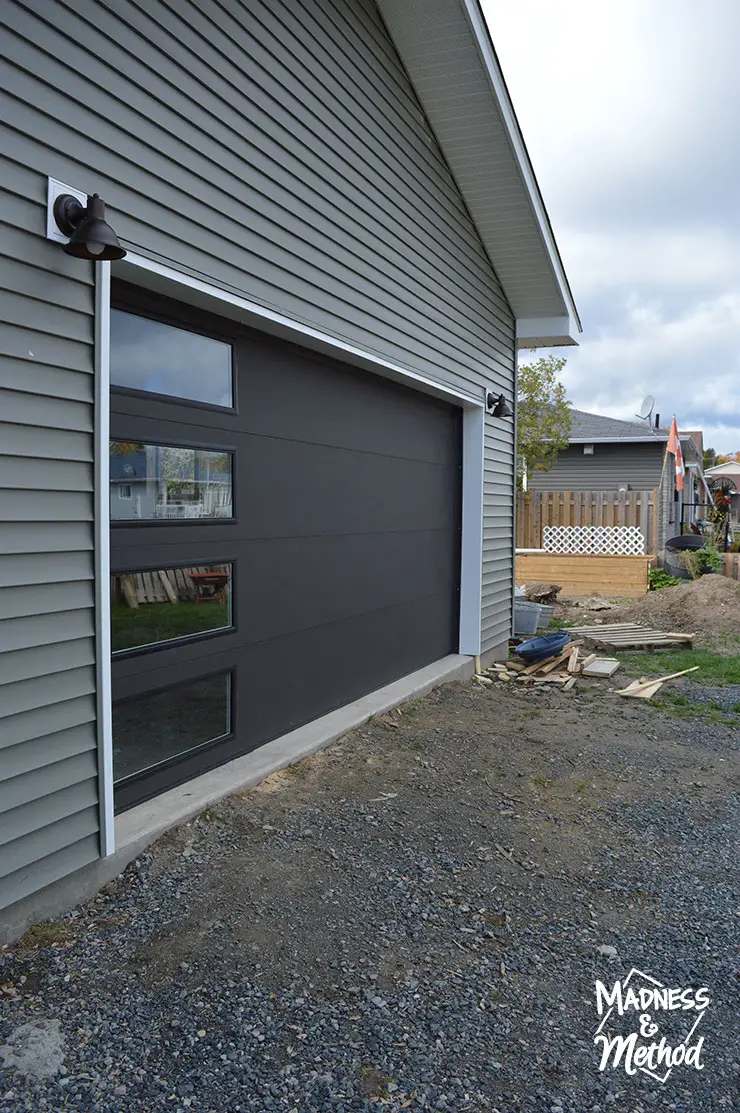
<point>412,919</point>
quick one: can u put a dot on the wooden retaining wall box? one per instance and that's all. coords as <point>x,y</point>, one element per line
<point>582,574</point>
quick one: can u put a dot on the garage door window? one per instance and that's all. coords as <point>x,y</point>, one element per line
<point>166,482</point>
<point>151,729</point>
<point>162,359</point>
<point>158,607</point>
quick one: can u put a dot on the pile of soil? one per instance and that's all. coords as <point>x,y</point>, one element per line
<point>709,606</point>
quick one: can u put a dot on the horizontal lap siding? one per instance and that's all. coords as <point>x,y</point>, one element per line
<point>48,753</point>
<point>277,150</point>
<point>638,465</point>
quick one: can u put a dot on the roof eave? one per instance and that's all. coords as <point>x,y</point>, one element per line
<point>447,51</point>
<point>657,439</point>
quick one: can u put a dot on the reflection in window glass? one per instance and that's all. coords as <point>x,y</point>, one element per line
<point>150,481</point>
<point>150,729</point>
<point>148,608</point>
<point>149,355</point>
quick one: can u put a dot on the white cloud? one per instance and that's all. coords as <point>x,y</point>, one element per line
<point>689,362</point>
<point>670,260</point>
<point>628,109</point>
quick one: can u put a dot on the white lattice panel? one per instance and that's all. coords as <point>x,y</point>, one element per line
<point>608,540</point>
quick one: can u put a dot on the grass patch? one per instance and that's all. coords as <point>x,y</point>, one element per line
<point>45,934</point>
<point>560,624</point>
<point>159,622</point>
<point>711,712</point>
<point>714,668</point>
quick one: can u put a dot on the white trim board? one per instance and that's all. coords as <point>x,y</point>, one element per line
<point>102,557</point>
<point>141,271</point>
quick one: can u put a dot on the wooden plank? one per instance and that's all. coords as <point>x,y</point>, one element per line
<point>602,667</point>
<point>129,591</point>
<point>151,596</point>
<point>167,586</point>
<point>548,666</point>
<point>633,689</point>
<point>640,689</point>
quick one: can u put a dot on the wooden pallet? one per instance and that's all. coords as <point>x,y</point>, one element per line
<point>631,635</point>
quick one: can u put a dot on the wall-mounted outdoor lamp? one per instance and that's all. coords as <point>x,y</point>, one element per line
<point>90,235</point>
<point>497,406</point>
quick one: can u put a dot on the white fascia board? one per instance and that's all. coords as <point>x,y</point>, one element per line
<point>546,332</point>
<point>479,27</point>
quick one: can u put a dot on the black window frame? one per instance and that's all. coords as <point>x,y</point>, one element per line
<point>185,639</point>
<point>130,303</point>
<point>128,790</point>
<point>201,446</point>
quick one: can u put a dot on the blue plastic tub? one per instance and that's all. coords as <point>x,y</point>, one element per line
<point>547,645</point>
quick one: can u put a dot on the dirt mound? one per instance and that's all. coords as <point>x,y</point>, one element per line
<point>709,606</point>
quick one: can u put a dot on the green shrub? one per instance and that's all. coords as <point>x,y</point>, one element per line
<point>709,558</point>
<point>700,561</point>
<point>657,579</point>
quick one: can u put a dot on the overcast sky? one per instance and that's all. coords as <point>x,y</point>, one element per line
<point>630,111</point>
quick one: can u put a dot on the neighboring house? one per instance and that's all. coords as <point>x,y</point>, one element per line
<point>731,473</point>
<point>606,454</point>
<point>335,244</point>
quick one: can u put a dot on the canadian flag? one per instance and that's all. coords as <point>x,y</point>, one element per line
<point>674,446</point>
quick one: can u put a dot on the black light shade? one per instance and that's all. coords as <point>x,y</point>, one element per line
<point>90,235</point>
<point>498,406</point>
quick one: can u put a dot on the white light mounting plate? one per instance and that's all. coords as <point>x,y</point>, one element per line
<point>56,189</point>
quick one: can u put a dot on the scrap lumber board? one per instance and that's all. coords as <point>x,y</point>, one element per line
<point>640,687</point>
<point>627,635</point>
<point>603,667</point>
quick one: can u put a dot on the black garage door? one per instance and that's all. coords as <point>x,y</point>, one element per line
<point>285,537</point>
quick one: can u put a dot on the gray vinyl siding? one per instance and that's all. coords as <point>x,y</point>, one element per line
<point>638,465</point>
<point>49,820</point>
<point>274,149</point>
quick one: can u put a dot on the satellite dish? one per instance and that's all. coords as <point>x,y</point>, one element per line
<point>646,409</point>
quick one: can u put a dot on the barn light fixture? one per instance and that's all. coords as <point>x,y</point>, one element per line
<point>498,406</point>
<point>90,235</point>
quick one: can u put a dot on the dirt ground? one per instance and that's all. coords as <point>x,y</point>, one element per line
<point>708,607</point>
<point>412,919</point>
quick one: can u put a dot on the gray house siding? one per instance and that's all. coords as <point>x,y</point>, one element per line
<point>638,465</point>
<point>48,751</point>
<point>276,150</point>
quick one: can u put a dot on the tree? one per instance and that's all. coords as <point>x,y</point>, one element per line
<point>710,458</point>
<point>543,415</point>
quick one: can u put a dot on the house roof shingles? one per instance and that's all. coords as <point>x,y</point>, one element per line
<point>587,427</point>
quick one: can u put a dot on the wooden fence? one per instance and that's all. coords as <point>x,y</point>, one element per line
<point>732,565</point>
<point>536,509</point>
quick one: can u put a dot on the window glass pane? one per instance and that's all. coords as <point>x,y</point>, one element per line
<point>150,729</point>
<point>150,481</point>
<point>148,608</point>
<point>149,355</point>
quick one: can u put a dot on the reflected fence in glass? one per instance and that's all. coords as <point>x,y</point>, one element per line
<point>150,482</point>
<point>153,728</point>
<point>160,606</point>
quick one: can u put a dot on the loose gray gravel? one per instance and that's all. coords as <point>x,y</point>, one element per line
<point>409,920</point>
